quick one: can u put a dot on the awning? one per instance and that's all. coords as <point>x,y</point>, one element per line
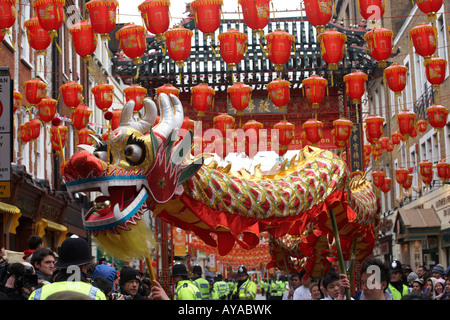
<point>416,224</point>
<point>12,217</point>
<point>44,224</point>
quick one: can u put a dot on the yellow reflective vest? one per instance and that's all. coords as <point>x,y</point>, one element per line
<point>87,289</point>
<point>247,290</point>
<point>203,286</point>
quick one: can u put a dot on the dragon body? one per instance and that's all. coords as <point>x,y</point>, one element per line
<point>149,169</point>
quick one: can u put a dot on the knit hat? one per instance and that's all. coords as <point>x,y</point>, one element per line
<point>439,268</point>
<point>105,271</point>
<point>412,276</point>
<point>128,273</point>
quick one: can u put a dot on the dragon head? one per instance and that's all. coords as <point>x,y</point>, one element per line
<point>138,166</point>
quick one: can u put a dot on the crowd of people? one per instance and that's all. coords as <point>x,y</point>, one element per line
<point>71,275</point>
<point>378,281</point>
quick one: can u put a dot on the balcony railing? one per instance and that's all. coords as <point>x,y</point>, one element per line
<point>424,101</point>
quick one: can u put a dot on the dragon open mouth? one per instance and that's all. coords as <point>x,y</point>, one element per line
<point>123,193</point>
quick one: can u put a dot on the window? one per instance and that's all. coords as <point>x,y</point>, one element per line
<point>446,132</point>
<point>442,37</point>
<point>413,164</point>
<point>408,89</point>
<point>419,71</point>
<point>25,14</point>
<point>429,146</point>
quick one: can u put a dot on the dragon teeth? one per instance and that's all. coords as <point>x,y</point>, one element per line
<point>104,189</point>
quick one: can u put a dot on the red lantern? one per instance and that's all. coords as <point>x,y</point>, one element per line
<point>315,88</point>
<point>233,46</point>
<point>35,128</point>
<point>178,42</point>
<point>279,92</point>
<point>426,168</point>
<point>103,95</point>
<point>38,38</point>
<point>435,70</point>
<point>384,142</point>
<point>223,122</point>
<point>256,14</point>
<point>7,15</point>
<point>390,146</point>
<point>437,116</point>
<point>427,179</point>
<point>251,129</point>
<point>167,89</point>
<point>47,109</point>
<point>58,136</point>
<point>286,133</point>
<point>50,14</point>
<point>408,182</point>
<point>367,148</point>
<point>202,98</point>
<point>424,39</point>
<point>24,132</point>
<point>341,144</point>
<point>342,129</point>
<point>395,76</point>
<point>378,178</point>
<point>374,127</point>
<point>207,15</point>
<point>406,122</point>
<point>156,16</point>
<point>188,124</point>
<point>84,136</point>
<point>17,100</point>
<point>137,94</point>
<point>115,120</point>
<point>430,7</point>
<point>223,146</point>
<point>35,91</point>
<point>422,125</point>
<point>83,39</point>
<point>102,14</point>
<point>132,41</point>
<point>313,131</point>
<point>380,42</point>
<point>386,187</point>
<point>396,138</point>
<point>80,116</point>
<point>319,13</point>
<point>279,44</point>
<point>401,175</point>
<point>372,10</point>
<point>240,96</point>
<point>355,85</point>
<point>332,47</point>
<point>443,170</point>
<point>377,150</point>
<point>71,94</point>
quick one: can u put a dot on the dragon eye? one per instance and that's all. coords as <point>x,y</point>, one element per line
<point>101,155</point>
<point>134,154</point>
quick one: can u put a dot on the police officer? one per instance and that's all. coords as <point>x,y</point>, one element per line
<point>200,283</point>
<point>245,289</point>
<point>276,289</point>
<point>220,289</point>
<point>396,286</point>
<point>184,289</point>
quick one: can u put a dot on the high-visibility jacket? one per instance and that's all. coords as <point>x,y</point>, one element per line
<point>220,289</point>
<point>277,288</point>
<point>231,286</point>
<point>397,295</point>
<point>187,291</point>
<point>47,290</point>
<point>247,290</point>
<point>203,286</point>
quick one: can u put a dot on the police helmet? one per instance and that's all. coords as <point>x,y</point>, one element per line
<point>197,269</point>
<point>242,271</point>
<point>179,269</point>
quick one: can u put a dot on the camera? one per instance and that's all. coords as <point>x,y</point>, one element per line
<point>27,281</point>
<point>118,296</point>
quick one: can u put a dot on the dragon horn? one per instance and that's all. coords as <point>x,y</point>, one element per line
<point>171,111</point>
<point>143,125</point>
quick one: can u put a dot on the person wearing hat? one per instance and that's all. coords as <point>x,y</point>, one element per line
<point>200,283</point>
<point>438,271</point>
<point>220,289</point>
<point>184,289</point>
<point>129,282</point>
<point>245,289</point>
<point>74,257</point>
<point>396,286</point>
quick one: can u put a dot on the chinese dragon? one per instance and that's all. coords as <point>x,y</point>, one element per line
<point>149,168</point>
